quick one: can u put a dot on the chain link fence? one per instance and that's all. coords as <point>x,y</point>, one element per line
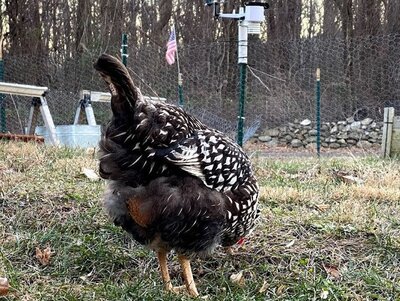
<point>359,78</point>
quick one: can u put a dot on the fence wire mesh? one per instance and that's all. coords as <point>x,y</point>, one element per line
<point>359,77</point>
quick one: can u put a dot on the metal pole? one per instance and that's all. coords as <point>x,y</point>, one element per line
<point>180,90</point>
<point>180,79</point>
<point>124,49</point>
<point>242,60</point>
<point>3,121</point>
<point>318,110</point>
<point>242,99</point>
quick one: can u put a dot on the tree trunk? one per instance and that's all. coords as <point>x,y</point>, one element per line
<point>81,34</point>
<point>329,25</point>
<point>392,16</point>
<point>25,32</point>
<point>368,18</point>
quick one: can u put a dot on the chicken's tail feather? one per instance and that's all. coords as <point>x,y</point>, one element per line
<point>124,93</point>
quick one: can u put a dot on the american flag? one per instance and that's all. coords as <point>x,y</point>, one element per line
<point>171,47</point>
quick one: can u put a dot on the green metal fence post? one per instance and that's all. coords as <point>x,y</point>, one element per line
<point>180,89</point>
<point>124,49</point>
<point>3,121</point>
<point>318,110</point>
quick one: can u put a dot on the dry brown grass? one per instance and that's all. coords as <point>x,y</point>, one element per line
<point>318,232</point>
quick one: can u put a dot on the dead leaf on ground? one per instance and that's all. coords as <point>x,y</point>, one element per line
<point>237,279</point>
<point>332,271</point>
<point>323,207</point>
<point>348,179</point>
<point>86,277</point>
<point>43,256</point>
<point>4,286</point>
<point>324,294</point>
<point>90,174</point>
<point>8,239</point>
<point>264,287</point>
<point>6,170</point>
<point>280,290</point>
<point>290,244</point>
<point>352,180</point>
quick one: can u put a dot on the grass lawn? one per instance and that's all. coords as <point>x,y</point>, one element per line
<point>330,230</point>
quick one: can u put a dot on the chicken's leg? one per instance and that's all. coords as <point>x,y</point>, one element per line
<point>188,276</point>
<point>162,260</point>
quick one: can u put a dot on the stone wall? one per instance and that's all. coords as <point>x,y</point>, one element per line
<point>347,133</point>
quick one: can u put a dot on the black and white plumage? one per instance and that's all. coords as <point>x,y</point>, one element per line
<point>173,182</point>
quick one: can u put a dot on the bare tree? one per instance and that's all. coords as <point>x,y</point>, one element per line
<point>392,16</point>
<point>25,28</point>
<point>346,17</point>
<point>285,20</point>
<point>368,17</point>
<point>330,27</point>
<point>82,21</point>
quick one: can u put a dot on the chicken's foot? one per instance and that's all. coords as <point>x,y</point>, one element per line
<point>162,260</point>
<point>188,276</point>
<point>189,287</point>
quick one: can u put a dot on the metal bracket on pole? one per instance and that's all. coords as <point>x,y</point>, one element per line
<point>48,121</point>
<point>39,104</point>
<point>33,115</point>
<point>85,104</point>
<point>254,11</point>
<point>124,49</point>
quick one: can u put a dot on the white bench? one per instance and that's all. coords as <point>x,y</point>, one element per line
<point>85,104</point>
<point>39,104</point>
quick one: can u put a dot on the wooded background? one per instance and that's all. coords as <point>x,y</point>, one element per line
<point>356,43</point>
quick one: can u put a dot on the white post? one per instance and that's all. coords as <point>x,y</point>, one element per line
<point>48,121</point>
<point>387,131</point>
<point>243,39</point>
<point>33,115</point>
<point>77,115</point>
<point>90,114</point>
<point>395,150</point>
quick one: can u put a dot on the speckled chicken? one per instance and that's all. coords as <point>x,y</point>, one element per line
<point>172,182</point>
